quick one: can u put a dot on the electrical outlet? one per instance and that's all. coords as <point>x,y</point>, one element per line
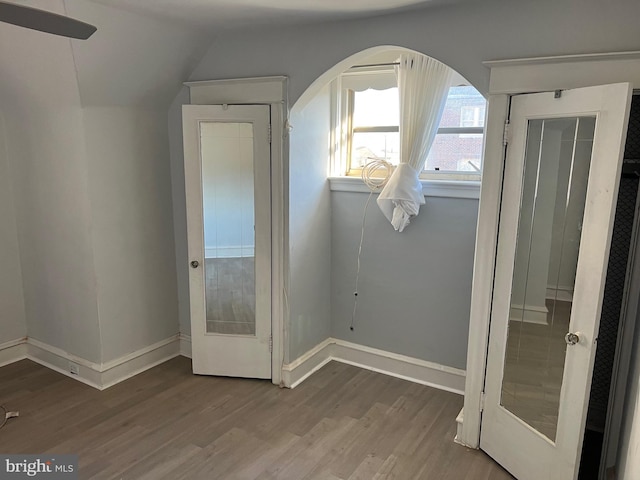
<point>74,368</point>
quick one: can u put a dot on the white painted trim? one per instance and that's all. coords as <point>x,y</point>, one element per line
<point>301,368</point>
<point>232,251</point>
<point>107,374</point>
<point>139,361</point>
<point>138,353</point>
<point>484,261</point>
<point>631,55</point>
<point>400,366</point>
<point>13,351</point>
<point>459,423</point>
<point>272,90</point>
<point>531,75</point>
<point>430,188</point>
<point>37,345</point>
<point>58,360</point>
<point>185,345</point>
<point>509,77</point>
<point>239,91</point>
<point>561,293</point>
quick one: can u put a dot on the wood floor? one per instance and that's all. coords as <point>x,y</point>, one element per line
<point>231,295</point>
<point>534,368</point>
<point>341,423</point>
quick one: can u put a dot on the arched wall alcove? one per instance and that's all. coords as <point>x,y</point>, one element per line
<point>414,287</point>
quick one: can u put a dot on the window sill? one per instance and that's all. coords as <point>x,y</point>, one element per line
<point>430,188</point>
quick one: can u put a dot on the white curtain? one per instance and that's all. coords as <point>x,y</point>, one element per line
<point>423,84</point>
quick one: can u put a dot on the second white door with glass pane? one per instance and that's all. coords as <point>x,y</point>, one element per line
<point>560,183</point>
<point>227,179</point>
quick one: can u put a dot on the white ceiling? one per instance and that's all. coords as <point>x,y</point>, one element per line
<point>224,14</point>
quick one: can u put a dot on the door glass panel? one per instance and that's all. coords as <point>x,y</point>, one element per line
<point>229,236</point>
<point>556,170</point>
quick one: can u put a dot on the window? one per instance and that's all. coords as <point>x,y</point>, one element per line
<point>368,120</point>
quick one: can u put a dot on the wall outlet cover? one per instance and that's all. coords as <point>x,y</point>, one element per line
<point>74,368</point>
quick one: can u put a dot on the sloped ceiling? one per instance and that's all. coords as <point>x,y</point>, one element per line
<point>132,60</point>
<point>225,14</point>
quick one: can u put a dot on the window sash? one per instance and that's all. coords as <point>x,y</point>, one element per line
<point>345,97</point>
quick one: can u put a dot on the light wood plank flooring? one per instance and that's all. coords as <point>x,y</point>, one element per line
<point>534,367</point>
<point>231,295</point>
<point>342,423</point>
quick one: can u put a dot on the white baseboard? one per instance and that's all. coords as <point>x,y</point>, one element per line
<point>185,345</point>
<point>400,366</point>
<point>13,351</point>
<point>137,362</point>
<point>529,314</point>
<point>297,371</point>
<point>563,294</point>
<point>58,360</point>
<point>100,376</point>
<point>459,422</point>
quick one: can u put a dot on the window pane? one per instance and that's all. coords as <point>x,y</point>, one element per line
<point>376,108</point>
<point>367,146</point>
<point>456,153</point>
<point>465,107</point>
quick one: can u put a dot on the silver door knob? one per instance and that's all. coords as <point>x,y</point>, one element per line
<point>195,264</point>
<point>572,338</point>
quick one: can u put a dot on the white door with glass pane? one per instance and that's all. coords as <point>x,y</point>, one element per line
<point>227,180</point>
<point>562,169</point>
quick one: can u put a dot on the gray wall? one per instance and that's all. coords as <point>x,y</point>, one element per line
<point>415,286</point>
<point>460,35</point>
<point>12,317</point>
<point>87,154</point>
<point>46,155</point>
<point>179,209</point>
<point>132,230</point>
<point>309,291</point>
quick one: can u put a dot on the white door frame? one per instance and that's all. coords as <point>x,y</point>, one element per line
<point>520,448</point>
<point>509,77</point>
<point>267,91</point>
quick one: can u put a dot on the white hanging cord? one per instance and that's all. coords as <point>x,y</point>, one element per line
<point>375,176</point>
<point>6,415</point>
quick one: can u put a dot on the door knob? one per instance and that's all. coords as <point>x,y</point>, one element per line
<point>572,338</point>
<point>195,264</point>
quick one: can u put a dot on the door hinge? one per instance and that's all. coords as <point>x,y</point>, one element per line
<point>482,397</point>
<point>505,133</point>
<point>270,343</point>
<point>269,132</point>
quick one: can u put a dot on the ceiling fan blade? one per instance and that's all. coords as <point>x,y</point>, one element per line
<point>44,21</point>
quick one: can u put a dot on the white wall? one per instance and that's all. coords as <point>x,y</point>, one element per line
<point>12,317</point>
<point>309,292</point>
